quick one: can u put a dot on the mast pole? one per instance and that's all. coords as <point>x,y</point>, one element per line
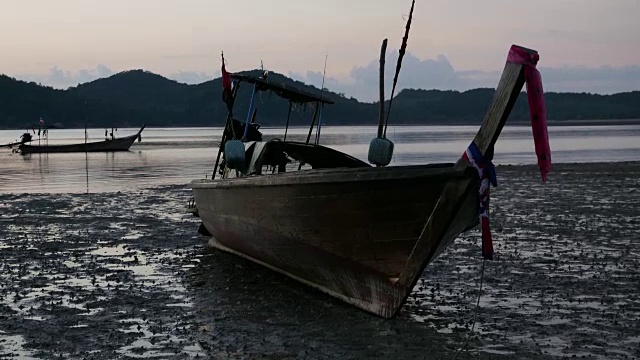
<point>324,73</point>
<point>383,52</point>
<point>86,168</point>
<point>399,64</point>
<point>250,113</point>
<point>85,122</point>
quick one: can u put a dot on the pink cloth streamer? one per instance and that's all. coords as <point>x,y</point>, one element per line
<point>537,109</point>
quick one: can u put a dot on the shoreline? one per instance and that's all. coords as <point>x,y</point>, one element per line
<point>531,169</point>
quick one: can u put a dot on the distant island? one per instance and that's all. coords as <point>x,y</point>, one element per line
<point>136,97</point>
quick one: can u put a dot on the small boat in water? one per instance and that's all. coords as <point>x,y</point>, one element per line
<point>109,145</point>
<point>361,233</point>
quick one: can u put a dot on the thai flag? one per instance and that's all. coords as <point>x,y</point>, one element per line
<point>487,174</point>
<point>227,95</point>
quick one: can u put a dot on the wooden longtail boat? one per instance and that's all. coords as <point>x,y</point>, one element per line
<point>361,233</point>
<point>119,144</point>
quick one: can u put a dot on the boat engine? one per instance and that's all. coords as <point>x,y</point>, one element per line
<point>25,138</point>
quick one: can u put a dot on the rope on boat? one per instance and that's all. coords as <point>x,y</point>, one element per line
<point>475,312</point>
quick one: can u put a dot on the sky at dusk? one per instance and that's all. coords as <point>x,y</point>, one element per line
<point>584,45</point>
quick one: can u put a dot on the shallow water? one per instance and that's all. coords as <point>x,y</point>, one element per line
<point>178,155</point>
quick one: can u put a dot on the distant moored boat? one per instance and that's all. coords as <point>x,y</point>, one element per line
<point>121,144</point>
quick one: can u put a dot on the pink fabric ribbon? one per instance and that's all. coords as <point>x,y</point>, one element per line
<point>537,109</point>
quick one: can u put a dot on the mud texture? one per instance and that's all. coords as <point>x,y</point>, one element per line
<point>125,275</point>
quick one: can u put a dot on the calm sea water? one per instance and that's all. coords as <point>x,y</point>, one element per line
<point>178,155</point>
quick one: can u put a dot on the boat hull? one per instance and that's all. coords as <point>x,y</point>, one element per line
<point>346,232</point>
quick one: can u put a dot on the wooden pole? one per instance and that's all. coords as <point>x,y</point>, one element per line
<point>253,116</point>
<point>324,73</point>
<point>85,122</point>
<point>313,121</point>
<point>86,168</point>
<point>403,48</point>
<point>286,128</point>
<point>503,102</point>
<point>226,127</point>
<point>319,123</point>
<point>223,139</point>
<point>246,125</point>
<point>383,52</point>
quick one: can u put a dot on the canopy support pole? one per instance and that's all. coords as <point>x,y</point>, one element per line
<point>286,128</point>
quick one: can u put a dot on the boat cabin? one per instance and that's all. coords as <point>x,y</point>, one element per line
<point>248,154</point>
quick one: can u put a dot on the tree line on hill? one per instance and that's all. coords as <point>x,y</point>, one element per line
<point>136,97</point>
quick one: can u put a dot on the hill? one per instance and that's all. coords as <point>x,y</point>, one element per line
<point>134,97</point>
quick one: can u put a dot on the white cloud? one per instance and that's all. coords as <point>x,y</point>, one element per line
<point>604,79</point>
<point>438,73</point>
<point>62,79</point>
<point>192,77</point>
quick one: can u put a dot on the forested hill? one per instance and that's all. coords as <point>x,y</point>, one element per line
<point>137,97</point>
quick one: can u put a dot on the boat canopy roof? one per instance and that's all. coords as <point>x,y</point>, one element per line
<point>287,92</point>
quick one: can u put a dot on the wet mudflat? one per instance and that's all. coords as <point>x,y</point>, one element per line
<point>95,276</point>
<point>125,275</point>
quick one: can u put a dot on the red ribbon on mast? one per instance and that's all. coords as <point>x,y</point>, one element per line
<point>227,95</point>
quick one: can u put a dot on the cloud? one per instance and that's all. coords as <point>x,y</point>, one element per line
<point>439,73</point>
<point>192,77</point>
<point>414,73</point>
<point>603,80</point>
<point>362,82</point>
<point>314,78</point>
<point>62,79</point>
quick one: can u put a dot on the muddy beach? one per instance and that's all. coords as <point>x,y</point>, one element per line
<point>125,275</point>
